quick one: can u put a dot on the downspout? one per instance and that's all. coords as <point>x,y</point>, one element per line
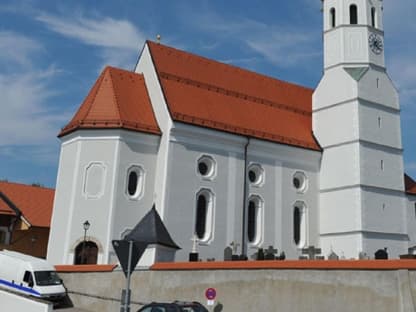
<point>243,237</point>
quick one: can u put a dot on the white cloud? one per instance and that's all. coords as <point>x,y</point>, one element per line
<point>25,118</point>
<point>17,49</point>
<point>119,40</point>
<point>102,32</point>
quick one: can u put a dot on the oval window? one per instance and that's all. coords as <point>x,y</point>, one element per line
<point>132,187</point>
<point>135,182</point>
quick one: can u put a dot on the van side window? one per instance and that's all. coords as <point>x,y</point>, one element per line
<point>28,278</point>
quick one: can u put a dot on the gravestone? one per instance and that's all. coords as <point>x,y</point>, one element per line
<point>333,256</point>
<point>235,256</point>
<point>311,251</point>
<point>228,254</point>
<point>363,256</point>
<point>381,254</point>
<point>269,253</point>
<point>260,254</point>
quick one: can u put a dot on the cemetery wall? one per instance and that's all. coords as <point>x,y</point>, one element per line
<point>315,287</point>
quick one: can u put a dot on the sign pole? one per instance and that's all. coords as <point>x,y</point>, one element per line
<point>125,296</point>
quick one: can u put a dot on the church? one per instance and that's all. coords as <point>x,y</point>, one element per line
<point>233,157</point>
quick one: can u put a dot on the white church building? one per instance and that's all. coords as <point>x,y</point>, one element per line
<point>231,156</point>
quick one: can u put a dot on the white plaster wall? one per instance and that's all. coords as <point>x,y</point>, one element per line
<point>411,219</point>
<point>184,183</point>
<point>334,79</point>
<point>99,149</point>
<point>340,211</point>
<point>345,245</point>
<point>396,245</point>
<point>279,163</point>
<point>63,201</point>
<point>337,125</point>
<point>380,126</point>
<point>136,149</point>
<point>146,67</point>
<point>349,43</point>
<point>340,166</point>
<point>383,212</point>
<point>376,87</point>
<point>389,175</point>
<point>342,9</point>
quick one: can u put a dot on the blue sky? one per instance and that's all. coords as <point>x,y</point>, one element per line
<point>52,51</point>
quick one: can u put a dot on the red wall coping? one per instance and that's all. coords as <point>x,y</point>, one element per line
<point>289,265</point>
<point>86,268</point>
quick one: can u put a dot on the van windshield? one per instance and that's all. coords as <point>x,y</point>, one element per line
<point>46,278</point>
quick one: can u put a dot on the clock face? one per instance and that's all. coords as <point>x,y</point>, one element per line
<point>376,43</point>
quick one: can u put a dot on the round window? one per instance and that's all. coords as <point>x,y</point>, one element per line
<point>300,181</point>
<point>206,166</point>
<point>255,174</point>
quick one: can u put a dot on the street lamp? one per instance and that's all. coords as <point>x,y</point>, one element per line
<point>86,226</point>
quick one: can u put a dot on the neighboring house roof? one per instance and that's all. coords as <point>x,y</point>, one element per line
<point>214,95</point>
<point>35,203</point>
<point>151,230</point>
<point>118,100</point>
<point>410,185</point>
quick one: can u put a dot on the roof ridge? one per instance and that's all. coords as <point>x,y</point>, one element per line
<point>98,85</point>
<point>244,70</point>
<point>27,185</point>
<point>236,94</point>
<point>113,89</point>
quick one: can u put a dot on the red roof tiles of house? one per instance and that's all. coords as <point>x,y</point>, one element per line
<point>34,202</point>
<point>210,94</point>
<point>410,185</point>
<point>118,100</point>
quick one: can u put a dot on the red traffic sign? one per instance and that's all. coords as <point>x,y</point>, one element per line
<point>210,293</point>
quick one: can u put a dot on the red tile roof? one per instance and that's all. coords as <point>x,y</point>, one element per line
<point>376,265</point>
<point>86,268</point>
<point>34,202</point>
<point>410,185</point>
<point>210,94</point>
<point>118,100</point>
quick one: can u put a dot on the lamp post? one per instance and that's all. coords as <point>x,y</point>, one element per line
<point>86,226</point>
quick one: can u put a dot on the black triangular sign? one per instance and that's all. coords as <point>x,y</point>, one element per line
<point>121,248</point>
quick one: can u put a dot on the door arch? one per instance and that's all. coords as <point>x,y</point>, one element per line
<point>86,253</point>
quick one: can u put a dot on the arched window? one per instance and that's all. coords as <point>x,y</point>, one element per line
<point>201,216</point>
<point>255,220</point>
<point>353,14</point>
<point>373,17</point>
<point>135,182</point>
<point>86,253</point>
<point>299,224</point>
<point>333,18</point>
<point>204,215</point>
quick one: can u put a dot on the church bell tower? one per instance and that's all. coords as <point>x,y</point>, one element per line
<point>356,119</point>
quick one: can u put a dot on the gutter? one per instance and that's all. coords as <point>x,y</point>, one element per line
<point>243,236</point>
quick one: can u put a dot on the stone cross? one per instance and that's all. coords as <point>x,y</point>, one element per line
<point>271,250</point>
<point>234,245</point>
<point>311,251</point>
<point>195,241</point>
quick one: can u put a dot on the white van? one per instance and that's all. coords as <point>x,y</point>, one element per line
<point>29,275</point>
